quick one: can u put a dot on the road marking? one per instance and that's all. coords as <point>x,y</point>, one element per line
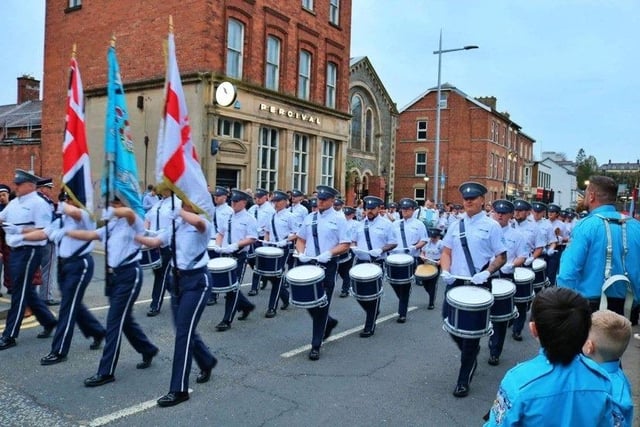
<point>342,334</point>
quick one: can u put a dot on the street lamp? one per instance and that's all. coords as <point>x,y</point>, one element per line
<point>439,52</point>
<point>426,187</point>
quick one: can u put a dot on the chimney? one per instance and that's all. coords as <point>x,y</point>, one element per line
<point>489,101</point>
<point>28,89</point>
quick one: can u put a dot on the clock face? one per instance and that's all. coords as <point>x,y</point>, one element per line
<point>225,94</point>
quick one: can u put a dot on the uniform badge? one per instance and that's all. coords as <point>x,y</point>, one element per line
<point>500,406</point>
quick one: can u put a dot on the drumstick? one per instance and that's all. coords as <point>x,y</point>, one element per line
<point>435,261</point>
<point>312,258</point>
<point>467,278</point>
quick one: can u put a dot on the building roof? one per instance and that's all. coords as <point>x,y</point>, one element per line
<point>445,87</point>
<point>353,63</point>
<point>27,114</point>
<point>628,166</point>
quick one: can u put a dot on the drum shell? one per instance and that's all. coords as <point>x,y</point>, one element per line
<point>269,261</point>
<point>212,254</point>
<point>151,258</point>
<point>539,267</point>
<point>468,319</point>
<point>305,286</point>
<point>399,269</point>
<point>223,275</point>
<point>503,308</point>
<point>345,257</point>
<point>366,287</point>
<point>523,279</point>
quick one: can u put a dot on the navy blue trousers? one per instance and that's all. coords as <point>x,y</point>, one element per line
<point>235,300</point>
<point>320,315</point>
<point>187,305</point>
<point>371,308</point>
<point>74,275</point>
<point>123,290</point>
<point>160,279</point>
<point>23,263</point>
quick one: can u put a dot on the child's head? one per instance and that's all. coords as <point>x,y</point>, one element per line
<point>560,319</point>
<point>609,336</point>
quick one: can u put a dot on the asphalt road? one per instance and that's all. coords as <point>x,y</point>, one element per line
<point>402,376</point>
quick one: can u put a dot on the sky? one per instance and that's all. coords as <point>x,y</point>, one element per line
<point>565,70</point>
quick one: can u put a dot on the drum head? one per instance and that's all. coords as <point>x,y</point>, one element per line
<point>399,259</point>
<point>222,264</point>
<point>470,296</point>
<point>539,264</point>
<point>269,251</point>
<point>366,271</point>
<point>426,270</point>
<point>305,274</point>
<point>523,275</point>
<point>502,287</point>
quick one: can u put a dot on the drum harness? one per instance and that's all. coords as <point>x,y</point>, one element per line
<point>467,253</point>
<point>609,279</point>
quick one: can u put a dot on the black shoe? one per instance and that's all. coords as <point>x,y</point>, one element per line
<point>494,361</point>
<point>516,336</point>
<point>461,390</point>
<point>213,300</point>
<point>344,294</point>
<point>153,312</point>
<point>6,343</point>
<point>47,331</point>
<point>270,313</point>
<point>285,305</point>
<point>252,292</point>
<point>314,354</point>
<point>332,323</point>
<point>246,311</point>
<point>52,359</point>
<point>173,398</point>
<point>263,285</point>
<point>431,307</point>
<point>97,342</point>
<point>223,326</point>
<point>146,360</point>
<point>366,334</point>
<point>98,380</point>
<point>52,302</point>
<point>401,319</point>
<point>205,374</point>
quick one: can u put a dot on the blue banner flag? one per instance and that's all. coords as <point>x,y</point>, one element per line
<point>120,176</point>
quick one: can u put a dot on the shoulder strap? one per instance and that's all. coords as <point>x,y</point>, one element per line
<point>465,248</point>
<point>403,235</point>
<point>273,226</point>
<point>367,236</point>
<point>314,231</point>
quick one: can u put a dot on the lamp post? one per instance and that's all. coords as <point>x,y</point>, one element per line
<point>426,187</point>
<point>439,52</point>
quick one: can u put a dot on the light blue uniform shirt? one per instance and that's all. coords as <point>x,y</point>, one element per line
<point>191,245</point>
<point>158,215</point>
<point>31,211</point>
<point>299,211</point>
<point>67,246</point>
<point>433,250</point>
<point>332,231</point>
<point>514,241</point>
<point>122,240</point>
<point>533,238</point>
<point>286,223</point>
<point>243,226</point>
<point>583,261</point>
<point>380,234</point>
<point>539,393</point>
<point>221,215</point>
<point>415,232</point>
<point>262,214</point>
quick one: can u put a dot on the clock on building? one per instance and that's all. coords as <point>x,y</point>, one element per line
<point>226,94</point>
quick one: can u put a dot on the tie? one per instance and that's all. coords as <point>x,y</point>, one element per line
<point>229,231</point>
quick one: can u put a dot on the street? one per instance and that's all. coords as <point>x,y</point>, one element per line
<point>402,376</point>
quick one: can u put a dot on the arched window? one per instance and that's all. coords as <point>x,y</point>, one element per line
<point>356,123</point>
<point>368,135</point>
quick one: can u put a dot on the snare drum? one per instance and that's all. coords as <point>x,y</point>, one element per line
<point>539,267</point>
<point>399,269</point>
<point>223,274</point>
<point>503,309</point>
<point>366,281</point>
<point>150,258</point>
<point>210,251</point>
<point>269,261</point>
<point>345,257</point>
<point>426,272</point>
<point>523,278</point>
<point>468,312</point>
<point>306,286</point>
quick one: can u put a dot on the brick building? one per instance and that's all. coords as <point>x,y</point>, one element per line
<point>477,143</point>
<point>289,124</point>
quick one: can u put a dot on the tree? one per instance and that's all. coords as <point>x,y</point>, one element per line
<point>585,167</point>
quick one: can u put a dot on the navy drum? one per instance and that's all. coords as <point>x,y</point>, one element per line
<point>150,258</point>
<point>366,281</point>
<point>223,274</point>
<point>306,287</point>
<point>399,269</point>
<point>210,249</point>
<point>539,267</point>
<point>468,314</point>
<point>523,279</point>
<point>503,308</point>
<point>344,257</point>
<point>269,261</point>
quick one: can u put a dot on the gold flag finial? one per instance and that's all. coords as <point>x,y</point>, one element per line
<point>113,40</point>
<point>171,23</point>
<point>73,50</point>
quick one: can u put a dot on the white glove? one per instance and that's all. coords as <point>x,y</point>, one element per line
<point>60,209</point>
<point>107,213</point>
<point>412,248</point>
<point>375,253</point>
<point>174,213</point>
<point>507,268</point>
<point>226,250</point>
<point>480,278</point>
<point>12,229</point>
<point>217,249</point>
<point>282,243</point>
<point>56,235</point>
<point>324,257</point>
<point>151,233</point>
<point>303,258</point>
<point>551,251</point>
<point>233,247</point>
<point>528,261</point>
<point>447,277</point>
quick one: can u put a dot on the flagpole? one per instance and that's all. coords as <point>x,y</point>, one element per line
<point>174,253</point>
<point>107,195</point>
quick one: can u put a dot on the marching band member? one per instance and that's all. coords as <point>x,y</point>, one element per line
<point>345,261</point>
<point>297,208</point>
<point>190,288</point>
<point>234,239</point>
<point>262,211</point>
<point>48,266</point>
<point>545,229</point>
<point>375,236</point>
<point>123,283</point>
<point>323,235</point>
<point>561,238</point>
<point>221,213</point>
<point>481,237</point>
<point>431,254</point>
<point>280,231</point>
<point>411,236</point>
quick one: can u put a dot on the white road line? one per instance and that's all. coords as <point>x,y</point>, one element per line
<point>342,334</point>
<point>132,410</point>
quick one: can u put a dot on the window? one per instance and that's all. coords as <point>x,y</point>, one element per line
<point>334,12</point>
<point>307,4</point>
<point>368,135</point>
<point>75,3</point>
<point>421,164</point>
<point>328,162</point>
<point>490,174</point>
<point>235,45</point>
<point>419,195</point>
<point>304,75</point>
<point>332,76</point>
<point>268,159</point>
<point>356,123</point>
<point>230,128</point>
<point>300,161</point>
<point>443,99</point>
<point>272,71</point>
<point>421,130</point>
